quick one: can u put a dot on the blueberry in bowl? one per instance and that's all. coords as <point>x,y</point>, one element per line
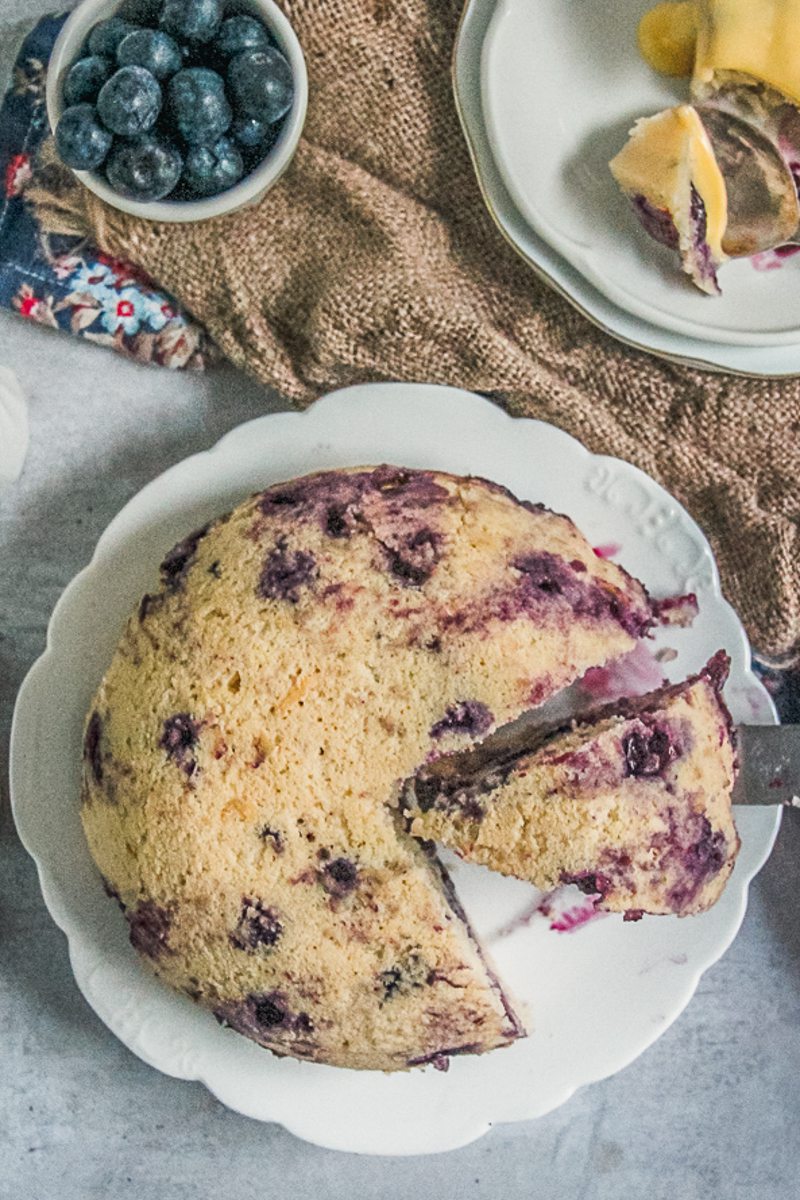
<point>212,169</point>
<point>198,106</point>
<point>144,169</point>
<point>129,102</point>
<point>191,20</point>
<point>261,84</point>
<point>177,110</point>
<point>152,49</point>
<point>106,36</point>
<point>81,140</point>
<point>240,33</point>
<point>86,77</point>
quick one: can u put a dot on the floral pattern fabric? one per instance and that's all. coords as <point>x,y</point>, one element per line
<point>61,282</point>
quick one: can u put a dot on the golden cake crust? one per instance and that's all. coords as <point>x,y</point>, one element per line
<point>303,655</point>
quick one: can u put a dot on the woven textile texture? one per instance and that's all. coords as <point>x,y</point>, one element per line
<point>374,258</point>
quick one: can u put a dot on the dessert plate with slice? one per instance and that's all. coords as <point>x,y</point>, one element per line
<point>557,169</point>
<point>569,220</point>
<point>646,970</point>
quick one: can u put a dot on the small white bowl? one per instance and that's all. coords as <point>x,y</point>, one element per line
<point>68,48</point>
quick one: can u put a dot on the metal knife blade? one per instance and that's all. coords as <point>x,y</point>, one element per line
<point>769,765</point>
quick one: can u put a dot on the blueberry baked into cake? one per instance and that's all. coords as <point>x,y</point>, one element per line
<point>631,804</point>
<point>245,755</point>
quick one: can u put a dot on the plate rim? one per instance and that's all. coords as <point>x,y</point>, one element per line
<point>472,12</point>
<point>78,942</point>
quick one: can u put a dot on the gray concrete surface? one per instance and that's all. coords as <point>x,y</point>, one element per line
<point>711,1112</point>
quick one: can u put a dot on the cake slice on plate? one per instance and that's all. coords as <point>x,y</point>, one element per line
<point>632,803</point>
<point>668,170</point>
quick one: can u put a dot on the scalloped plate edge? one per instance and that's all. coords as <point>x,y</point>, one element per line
<point>124,524</point>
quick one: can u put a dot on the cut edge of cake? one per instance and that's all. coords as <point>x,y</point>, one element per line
<point>549,805</point>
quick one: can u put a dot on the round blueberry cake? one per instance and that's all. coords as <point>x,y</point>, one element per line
<point>632,804</point>
<point>245,753</point>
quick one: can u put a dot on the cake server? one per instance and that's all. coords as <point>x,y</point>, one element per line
<point>769,759</point>
<point>769,765</point>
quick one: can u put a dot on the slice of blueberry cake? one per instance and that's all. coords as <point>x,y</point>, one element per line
<point>244,754</point>
<point>632,804</point>
<point>669,171</point>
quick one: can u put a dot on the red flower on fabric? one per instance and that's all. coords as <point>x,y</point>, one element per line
<point>18,174</point>
<point>124,271</point>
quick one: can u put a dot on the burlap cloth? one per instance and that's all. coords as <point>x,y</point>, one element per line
<point>374,258</point>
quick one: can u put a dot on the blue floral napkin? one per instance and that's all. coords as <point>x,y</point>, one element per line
<point>62,282</point>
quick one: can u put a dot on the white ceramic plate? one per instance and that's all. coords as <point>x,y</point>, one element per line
<point>562,84</point>
<point>645,973</point>
<point>773,361</point>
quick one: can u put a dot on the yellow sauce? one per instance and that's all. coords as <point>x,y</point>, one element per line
<point>667,37</point>
<point>759,38</point>
<point>666,153</point>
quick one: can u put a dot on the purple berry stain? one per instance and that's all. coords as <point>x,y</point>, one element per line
<point>91,746</point>
<point>266,1018</point>
<point>179,737</point>
<point>149,928</point>
<point>697,862</point>
<point>649,751</point>
<point>657,222</point>
<point>467,716</point>
<point>268,834</point>
<point>339,877</point>
<point>414,559</point>
<point>267,1013</point>
<point>286,573</point>
<point>258,925</point>
<point>546,575</point>
<point>590,883</point>
<point>440,1059</point>
<point>337,524</point>
<point>404,977</point>
<point>180,558</point>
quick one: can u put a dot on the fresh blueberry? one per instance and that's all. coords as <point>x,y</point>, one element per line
<point>261,83</point>
<point>146,169</point>
<point>212,169</point>
<point>198,106</point>
<point>251,134</point>
<point>157,52</point>
<point>81,140</point>
<point>85,78</point>
<point>241,33</point>
<point>107,35</point>
<point>191,20</point>
<point>130,101</point>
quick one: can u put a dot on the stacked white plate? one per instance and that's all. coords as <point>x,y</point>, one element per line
<point>546,92</point>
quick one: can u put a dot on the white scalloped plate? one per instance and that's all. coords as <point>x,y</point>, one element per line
<point>596,998</point>
<point>562,83</point>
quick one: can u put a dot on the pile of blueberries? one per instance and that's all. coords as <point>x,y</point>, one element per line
<point>184,110</point>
